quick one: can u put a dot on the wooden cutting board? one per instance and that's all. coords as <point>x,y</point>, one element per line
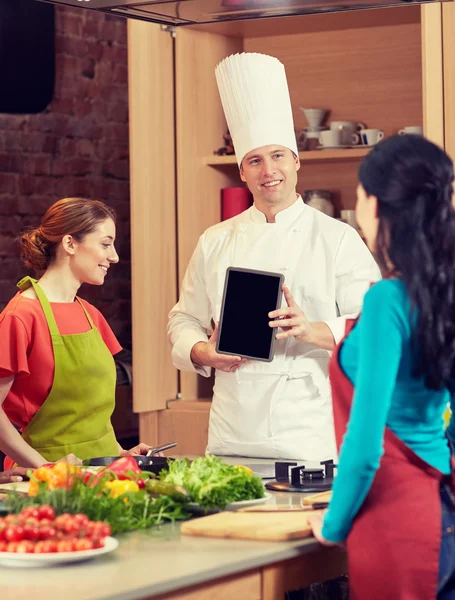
<point>18,486</point>
<point>273,527</point>
<point>321,497</point>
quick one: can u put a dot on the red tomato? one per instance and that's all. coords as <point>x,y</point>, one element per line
<point>25,547</point>
<point>83,544</point>
<point>65,546</point>
<point>3,526</point>
<point>105,530</point>
<point>14,533</point>
<point>71,526</point>
<point>12,546</point>
<point>31,521</point>
<point>31,532</point>
<point>29,511</point>
<point>12,519</point>
<point>46,532</point>
<point>61,520</point>
<point>43,522</point>
<point>3,546</point>
<point>97,542</point>
<point>81,519</point>
<point>40,547</point>
<point>140,484</point>
<point>46,512</point>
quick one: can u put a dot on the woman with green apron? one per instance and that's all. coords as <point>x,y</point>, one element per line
<point>57,372</point>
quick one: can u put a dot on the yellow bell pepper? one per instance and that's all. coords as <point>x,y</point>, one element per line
<point>59,475</point>
<point>119,487</point>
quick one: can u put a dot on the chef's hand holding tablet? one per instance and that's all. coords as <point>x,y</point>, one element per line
<point>291,320</point>
<point>205,354</point>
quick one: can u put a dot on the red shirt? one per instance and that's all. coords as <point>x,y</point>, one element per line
<point>26,349</point>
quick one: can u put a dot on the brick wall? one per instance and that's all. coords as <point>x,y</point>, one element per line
<point>77,147</point>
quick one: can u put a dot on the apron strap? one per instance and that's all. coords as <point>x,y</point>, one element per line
<point>89,318</point>
<point>27,282</point>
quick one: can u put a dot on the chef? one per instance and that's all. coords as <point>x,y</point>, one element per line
<point>280,409</point>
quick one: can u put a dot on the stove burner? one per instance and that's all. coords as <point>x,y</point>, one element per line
<point>302,479</point>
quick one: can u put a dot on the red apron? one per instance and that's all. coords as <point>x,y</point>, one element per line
<point>393,546</point>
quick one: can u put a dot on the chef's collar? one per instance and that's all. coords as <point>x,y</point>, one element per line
<point>284,217</point>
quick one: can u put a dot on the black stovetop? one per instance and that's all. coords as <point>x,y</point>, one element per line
<point>290,477</point>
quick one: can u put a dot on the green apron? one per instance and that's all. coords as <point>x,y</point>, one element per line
<point>76,416</point>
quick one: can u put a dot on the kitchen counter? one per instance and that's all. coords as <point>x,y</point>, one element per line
<point>159,561</point>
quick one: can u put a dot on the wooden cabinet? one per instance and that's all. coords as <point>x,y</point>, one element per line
<point>386,68</point>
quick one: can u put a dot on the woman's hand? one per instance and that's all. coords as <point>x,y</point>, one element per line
<point>140,449</point>
<point>13,475</point>
<point>316,524</point>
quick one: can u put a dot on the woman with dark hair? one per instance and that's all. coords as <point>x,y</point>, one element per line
<point>57,372</point>
<point>392,378</point>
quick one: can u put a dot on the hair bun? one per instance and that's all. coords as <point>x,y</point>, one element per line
<point>34,250</point>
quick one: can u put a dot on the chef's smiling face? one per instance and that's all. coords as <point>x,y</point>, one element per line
<point>270,173</point>
<point>91,257</point>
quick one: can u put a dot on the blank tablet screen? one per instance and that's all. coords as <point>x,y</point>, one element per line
<point>244,323</point>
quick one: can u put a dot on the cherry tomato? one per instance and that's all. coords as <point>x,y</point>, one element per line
<point>140,484</point>
<point>97,542</point>
<point>81,519</point>
<point>65,546</point>
<point>31,521</point>
<point>46,512</point>
<point>31,532</point>
<point>105,530</point>
<point>25,547</point>
<point>3,546</point>
<point>29,511</point>
<point>83,544</point>
<point>40,547</point>
<point>61,520</point>
<point>12,519</point>
<point>71,526</point>
<point>46,532</point>
<point>3,526</point>
<point>12,546</point>
<point>14,533</point>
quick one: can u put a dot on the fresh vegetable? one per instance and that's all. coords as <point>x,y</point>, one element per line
<point>98,501</point>
<point>211,482</point>
<point>65,533</point>
<point>119,488</point>
<point>58,475</point>
<point>156,487</point>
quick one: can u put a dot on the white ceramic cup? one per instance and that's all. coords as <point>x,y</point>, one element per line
<point>348,131</point>
<point>370,137</point>
<point>330,138</point>
<point>413,129</point>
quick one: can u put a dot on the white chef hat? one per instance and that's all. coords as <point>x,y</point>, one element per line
<point>255,97</point>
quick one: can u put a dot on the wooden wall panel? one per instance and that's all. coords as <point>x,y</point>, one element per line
<point>448,21</point>
<point>153,237</point>
<point>432,72</point>
<point>200,127</point>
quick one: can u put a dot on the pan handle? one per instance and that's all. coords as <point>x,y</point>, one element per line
<point>161,448</point>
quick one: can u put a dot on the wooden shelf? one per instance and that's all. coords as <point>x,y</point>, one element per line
<point>310,156</point>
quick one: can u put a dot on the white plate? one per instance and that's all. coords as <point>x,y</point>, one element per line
<point>202,510</point>
<point>50,559</point>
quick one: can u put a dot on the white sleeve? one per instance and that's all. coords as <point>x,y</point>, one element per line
<point>355,271</point>
<point>190,319</point>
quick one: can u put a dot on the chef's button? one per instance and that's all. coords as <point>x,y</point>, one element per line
<point>296,230</point>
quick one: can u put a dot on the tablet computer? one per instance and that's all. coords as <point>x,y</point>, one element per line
<point>248,297</point>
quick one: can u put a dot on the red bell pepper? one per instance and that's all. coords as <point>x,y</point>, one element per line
<point>120,468</point>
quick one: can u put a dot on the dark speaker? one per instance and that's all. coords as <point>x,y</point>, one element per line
<point>27,55</point>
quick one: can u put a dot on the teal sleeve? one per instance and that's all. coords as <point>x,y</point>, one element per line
<point>381,333</point>
<point>451,428</point>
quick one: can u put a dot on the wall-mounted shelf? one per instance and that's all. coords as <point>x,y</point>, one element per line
<point>310,156</point>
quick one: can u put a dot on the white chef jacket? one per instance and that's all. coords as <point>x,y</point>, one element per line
<point>280,409</point>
